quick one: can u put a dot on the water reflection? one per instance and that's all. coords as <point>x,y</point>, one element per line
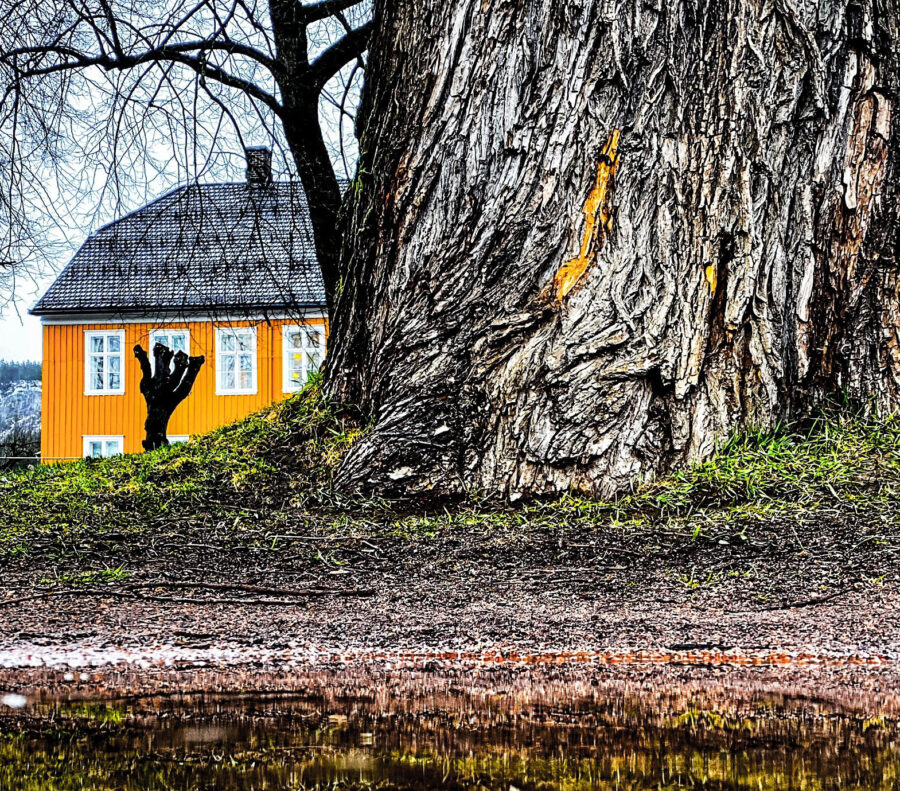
<point>390,738</point>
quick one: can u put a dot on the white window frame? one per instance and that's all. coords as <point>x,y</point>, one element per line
<point>87,439</point>
<point>220,333</point>
<point>88,383</point>
<point>287,382</point>
<point>173,438</point>
<point>153,333</point>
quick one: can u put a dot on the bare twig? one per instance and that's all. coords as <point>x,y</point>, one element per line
<point>119,594</point>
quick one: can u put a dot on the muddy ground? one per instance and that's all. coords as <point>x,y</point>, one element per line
<point>819,597</point>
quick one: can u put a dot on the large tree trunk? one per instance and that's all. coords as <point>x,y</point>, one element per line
<point>590,238</point>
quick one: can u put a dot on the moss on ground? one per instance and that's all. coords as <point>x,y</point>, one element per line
<point>250,479</point>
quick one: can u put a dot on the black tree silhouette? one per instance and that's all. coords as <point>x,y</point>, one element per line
<point>164,387</point>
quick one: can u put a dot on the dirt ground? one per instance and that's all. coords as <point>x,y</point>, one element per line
<point>794,600</point>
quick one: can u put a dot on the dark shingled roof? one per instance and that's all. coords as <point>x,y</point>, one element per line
<point>204,247</point>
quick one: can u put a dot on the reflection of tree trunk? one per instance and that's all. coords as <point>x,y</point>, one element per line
<point>164,387</point>
<point>592,238</point>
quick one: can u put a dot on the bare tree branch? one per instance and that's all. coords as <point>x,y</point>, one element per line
<point>326,8</point>
<point>108,86</point>
<point>333,59</point>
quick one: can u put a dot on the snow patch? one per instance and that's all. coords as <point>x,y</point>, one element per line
<point>20,410</point>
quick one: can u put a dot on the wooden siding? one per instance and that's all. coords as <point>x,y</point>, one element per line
<point>68,414</point>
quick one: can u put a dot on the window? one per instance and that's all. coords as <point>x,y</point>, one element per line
<point>175,439</point>
<point>103,447</point>
<point>303,349</point>
<point>104,362</point>
<point>176,340</point>
<point>235,360</point>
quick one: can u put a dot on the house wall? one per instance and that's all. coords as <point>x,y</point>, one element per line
<point>68,414</point>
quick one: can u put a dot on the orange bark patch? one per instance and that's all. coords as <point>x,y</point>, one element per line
<point>597,220</point>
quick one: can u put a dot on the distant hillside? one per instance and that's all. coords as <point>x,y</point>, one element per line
<point>11,372</point>
<point>20,408</point>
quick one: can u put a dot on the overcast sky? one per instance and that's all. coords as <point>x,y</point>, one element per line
<point>20,338</point>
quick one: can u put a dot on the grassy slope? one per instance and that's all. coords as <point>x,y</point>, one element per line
<point>250,480</point>
<point>277,459</point>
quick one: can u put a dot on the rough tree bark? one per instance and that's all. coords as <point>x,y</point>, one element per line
<point>589,238</point>
<point>164,387</point>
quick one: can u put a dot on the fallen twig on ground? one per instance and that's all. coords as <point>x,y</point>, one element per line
<point>805,602</point>
<point>130,594</point>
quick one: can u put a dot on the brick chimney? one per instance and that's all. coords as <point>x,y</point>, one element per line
<point>259,166</point>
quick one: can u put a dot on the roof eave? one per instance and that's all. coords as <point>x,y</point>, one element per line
<point>154,310</point>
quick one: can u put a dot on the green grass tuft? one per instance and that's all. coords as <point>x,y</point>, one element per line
<point>839,461</point>
<point>839,456</point>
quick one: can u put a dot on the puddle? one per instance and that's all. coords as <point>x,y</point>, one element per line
<point>78,656</point>
<point>396,736</point>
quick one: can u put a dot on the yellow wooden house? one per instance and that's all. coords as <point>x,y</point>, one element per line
<point>223,270</point>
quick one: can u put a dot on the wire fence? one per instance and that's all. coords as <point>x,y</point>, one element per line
<point>12,461</point>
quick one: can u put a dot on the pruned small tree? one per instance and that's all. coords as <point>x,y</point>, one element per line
<point>164,386</point>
